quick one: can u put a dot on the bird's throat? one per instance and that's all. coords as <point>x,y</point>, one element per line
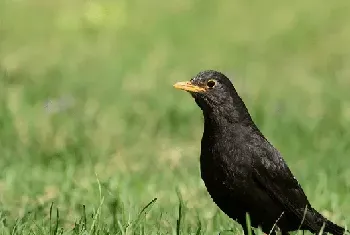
<point>226,116</point>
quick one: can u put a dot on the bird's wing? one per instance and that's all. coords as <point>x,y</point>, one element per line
<point>272,174</point>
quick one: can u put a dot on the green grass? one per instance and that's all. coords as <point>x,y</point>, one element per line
<point>116,135</point>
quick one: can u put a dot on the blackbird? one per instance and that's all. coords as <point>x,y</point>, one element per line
<point>243,172</point>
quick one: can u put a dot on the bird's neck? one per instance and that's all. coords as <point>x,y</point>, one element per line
<point>228,115</point>
<point>229,119</point>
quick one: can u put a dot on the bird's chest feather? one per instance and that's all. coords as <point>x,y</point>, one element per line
<point>225,166</point>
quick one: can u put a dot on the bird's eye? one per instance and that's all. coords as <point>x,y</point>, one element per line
<point>211,83</point>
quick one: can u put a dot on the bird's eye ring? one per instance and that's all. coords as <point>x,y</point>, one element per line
<point>211,83</point>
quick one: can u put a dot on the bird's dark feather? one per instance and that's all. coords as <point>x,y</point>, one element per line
<point>243,172</point>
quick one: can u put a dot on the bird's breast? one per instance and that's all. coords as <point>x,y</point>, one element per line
<point>223,169</point>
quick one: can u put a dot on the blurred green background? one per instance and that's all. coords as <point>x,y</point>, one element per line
<point>88,114</point>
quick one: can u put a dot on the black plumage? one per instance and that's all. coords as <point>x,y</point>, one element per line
<point>242,171</point>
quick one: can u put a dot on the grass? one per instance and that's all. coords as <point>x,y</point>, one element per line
<point>89,120</point>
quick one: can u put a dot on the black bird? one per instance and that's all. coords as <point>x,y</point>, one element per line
<point>242,171</point>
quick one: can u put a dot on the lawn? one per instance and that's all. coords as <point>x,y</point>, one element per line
<point>95,140</point>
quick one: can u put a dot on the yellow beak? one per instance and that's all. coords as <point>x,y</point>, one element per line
<point>188,86</point>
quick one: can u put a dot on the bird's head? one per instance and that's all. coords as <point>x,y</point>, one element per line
<point>211,90</point>
<point>214,93</point>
